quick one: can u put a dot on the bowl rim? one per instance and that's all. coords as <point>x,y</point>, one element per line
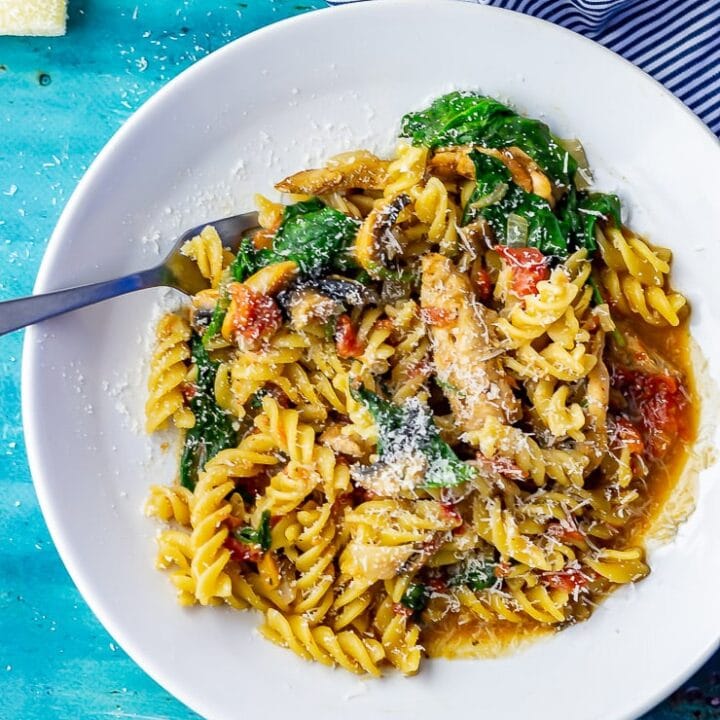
<point>44,283</point>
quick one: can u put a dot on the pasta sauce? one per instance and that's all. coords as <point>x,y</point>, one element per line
<point>672,414</point>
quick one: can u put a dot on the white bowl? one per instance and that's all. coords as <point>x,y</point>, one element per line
<point>269,104</point>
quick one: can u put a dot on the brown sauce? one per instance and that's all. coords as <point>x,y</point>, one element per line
<point>463,635</point>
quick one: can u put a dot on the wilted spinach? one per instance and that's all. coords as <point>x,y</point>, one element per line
<point>213,430</point>
<point>467,118</point>
<point>409,428</point>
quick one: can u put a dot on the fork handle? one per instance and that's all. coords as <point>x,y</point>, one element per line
<point>15,314</point>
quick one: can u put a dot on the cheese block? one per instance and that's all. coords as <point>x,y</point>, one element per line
<point>33,17</point>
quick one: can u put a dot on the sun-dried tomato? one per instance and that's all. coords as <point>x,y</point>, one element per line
<point>528,265</point>
<point>253,316</point>
<point>656,405</point>
<point>569,579</point>
<point>438,317</point>
<point>346,338</point>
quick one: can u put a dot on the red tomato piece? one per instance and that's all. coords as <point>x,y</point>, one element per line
<point>657,405</point>
<point>188,391</point>
<point>449,512</point>
<point>437,585</point>
<point>528,265</point>
<point>565,533</point>
<point>241,551</point>
<point>438,317</point>
<point>629,436</point>
<point>482,283</point>
<point>568,580</point>
<point>346,339</point>
<point>253,316</point>
<point>400,609</point>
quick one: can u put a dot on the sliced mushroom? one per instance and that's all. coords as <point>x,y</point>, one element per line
<point>524,170</point>
<point>352,170</point>
<point>306,306</point>
<point>450,163</point>
<point>350,292</point>
<point>318,299</point>
<point>375,239</point>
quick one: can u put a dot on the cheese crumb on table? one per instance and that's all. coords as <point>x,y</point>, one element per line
<point>33,17</point>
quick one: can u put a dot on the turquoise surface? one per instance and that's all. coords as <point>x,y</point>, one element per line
<point>60,101</point>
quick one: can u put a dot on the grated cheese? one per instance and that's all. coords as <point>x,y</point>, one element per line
<point>33,17</point>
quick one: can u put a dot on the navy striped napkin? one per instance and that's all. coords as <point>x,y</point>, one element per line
<point>675,41</point>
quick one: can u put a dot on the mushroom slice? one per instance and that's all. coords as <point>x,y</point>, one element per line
<point>375,235</point>
<point>351,170</point>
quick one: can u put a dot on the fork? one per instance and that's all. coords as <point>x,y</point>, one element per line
<point>176,271</point>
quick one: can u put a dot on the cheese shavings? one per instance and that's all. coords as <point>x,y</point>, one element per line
<point>33,17</point>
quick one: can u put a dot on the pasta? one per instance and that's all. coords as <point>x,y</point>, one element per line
<point>168,372</point>
<point>432,403</point>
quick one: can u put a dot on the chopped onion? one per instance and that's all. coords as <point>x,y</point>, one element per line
<point>517,231</point>
<point>574,148</point>
<point>490,199</point>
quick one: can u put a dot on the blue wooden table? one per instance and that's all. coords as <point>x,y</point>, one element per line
<point>60,101</point>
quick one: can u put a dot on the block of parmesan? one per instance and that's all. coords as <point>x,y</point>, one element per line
<point>33,17</point>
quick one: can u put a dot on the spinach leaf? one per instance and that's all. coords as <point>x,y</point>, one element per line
<point>559,233</point>
<point>415,598</point>
<point>597,206</point>
<point>313,235</point>
<point>544,228</point>
<point>261,536</point>
<point>248,260</point>
<point>213,430</point>
<point>579,213</point>
<point>474,574</point>
<point>216,321</point>
<point>409,430</point>
<point>466,118</point>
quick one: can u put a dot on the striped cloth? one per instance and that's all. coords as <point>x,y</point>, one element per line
<point>675,41</point>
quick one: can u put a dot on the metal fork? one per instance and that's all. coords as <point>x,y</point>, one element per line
<point>176,271</point>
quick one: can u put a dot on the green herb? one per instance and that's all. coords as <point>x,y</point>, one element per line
<point>213,430</point>
<point>544,229</point>
<point>598,206</point>
<point>407,429</point>
<point>465,118</point>
<point>261,536</point>
<point>474,574</point>
<point>330,328</point>
<point>313,235</point>
<point>415,598</point>
<point>217,318</point>
<point>363,277</point>
<point>597,297</point>
<point>248,260</point>
<point>559,233</point>
<point>579,213</point>
<point>256,399</point>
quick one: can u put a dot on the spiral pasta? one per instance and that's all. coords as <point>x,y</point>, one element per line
<point>429,407</point>
<point>168,371</point>
<point>207,251</point>
<point>635,278</point>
